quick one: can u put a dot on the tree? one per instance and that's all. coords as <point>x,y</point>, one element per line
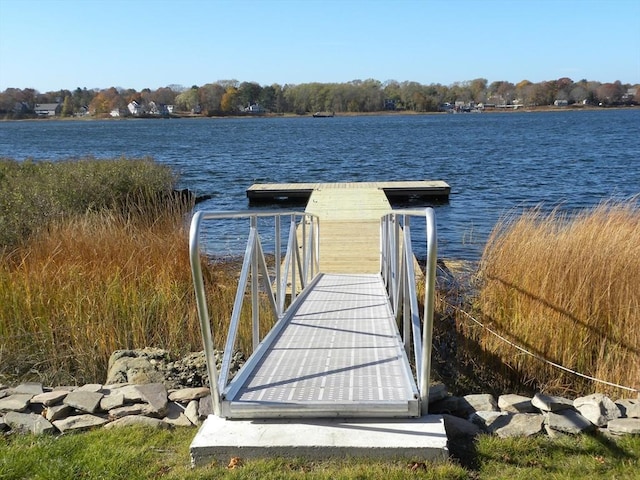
<point>229,101</point>
<point>188,100</point>
<point>248,93</point>
<point>210,97</point>
<point>67,107</point>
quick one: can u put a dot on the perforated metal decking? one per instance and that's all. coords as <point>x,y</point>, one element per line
<point>338,355</point>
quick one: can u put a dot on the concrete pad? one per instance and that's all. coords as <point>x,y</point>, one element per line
<point>220,439</point>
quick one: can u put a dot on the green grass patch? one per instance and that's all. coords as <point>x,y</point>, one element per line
<point>141,453</point>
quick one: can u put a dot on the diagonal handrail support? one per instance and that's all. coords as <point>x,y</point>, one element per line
<point>300,264</point>
<point>398,271</point>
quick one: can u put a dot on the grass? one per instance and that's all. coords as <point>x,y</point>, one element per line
<point>566,289</point>
<point>33,194</point>
<point>109,273</point>
<point>139,453</point>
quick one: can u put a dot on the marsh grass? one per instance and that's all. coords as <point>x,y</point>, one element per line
<point>566,289</point>
<point>113,275</point>
<point>34,194</point>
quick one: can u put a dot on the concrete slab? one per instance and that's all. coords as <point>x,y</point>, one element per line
<point>220,439</point>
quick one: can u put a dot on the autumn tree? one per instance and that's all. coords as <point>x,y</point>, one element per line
<point>229,101</point>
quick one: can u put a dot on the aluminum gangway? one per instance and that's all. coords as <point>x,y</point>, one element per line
<point>339,348</point>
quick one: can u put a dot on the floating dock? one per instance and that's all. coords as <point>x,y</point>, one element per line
<point>278,192</point>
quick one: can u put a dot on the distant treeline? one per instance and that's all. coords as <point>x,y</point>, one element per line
<point>230,97</point>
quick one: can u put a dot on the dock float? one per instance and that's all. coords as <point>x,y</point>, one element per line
<point>291,192</point>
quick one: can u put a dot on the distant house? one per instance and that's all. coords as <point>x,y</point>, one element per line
<point>561,103</point>
<point>254,108</point>
<point>48,109</point>
<point>115,112</point>
<point>158,109</point>
<point>135,108</point>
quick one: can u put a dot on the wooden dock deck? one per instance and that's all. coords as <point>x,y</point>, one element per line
<point>349,226</point>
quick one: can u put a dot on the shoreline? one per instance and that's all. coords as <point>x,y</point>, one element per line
<point>537,109</point>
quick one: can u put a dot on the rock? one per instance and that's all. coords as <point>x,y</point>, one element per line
<point>84,401</point>
<point>3,424</point>
<point>111,401</point>
<point>34,388</point>
<point>482,402</point>
<point>50,398</point>
<point>517,425</point>
<point>128,410</point>
<point>18,402</point>
<point>79,422</point>
<point>90,387</point>
<point>437,391</point>
<point>176,417</point>
<point>515,404</point>
<point>28,423</point>
<point>568,421</point>
<point>191,371</point>
<point>629,408</point>
<point>550,403</point>
<point>155,394</point>
<point>597,408</point>
<point>622,426</point>
<point>137,420</point>
<point>457,427</point>
<point>137,366</point>
<point>205,407</point>
<point>485,419</point>
<point>449,405</point>
<point>58,412</point>
<point>185,395</point>
<point>130,392</point>
<point>191,412</point>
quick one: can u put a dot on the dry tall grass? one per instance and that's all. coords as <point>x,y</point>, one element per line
<point>99,283</point>
<point>567,289</point>
<point>94,258</point>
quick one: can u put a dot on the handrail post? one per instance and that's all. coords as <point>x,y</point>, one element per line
<point>278,259</point>
<point>203,314</point>
<point>429,304</point>
<point>255,304</point>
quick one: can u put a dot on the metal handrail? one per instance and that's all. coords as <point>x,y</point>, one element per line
<point>398,272</point>
<point>302,261</point>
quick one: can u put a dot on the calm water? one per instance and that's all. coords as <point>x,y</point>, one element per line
<point>495,163</point>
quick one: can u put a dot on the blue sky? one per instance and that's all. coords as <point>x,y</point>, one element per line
<point>64,44</point>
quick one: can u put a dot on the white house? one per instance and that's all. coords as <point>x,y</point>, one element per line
<point>135,108</point>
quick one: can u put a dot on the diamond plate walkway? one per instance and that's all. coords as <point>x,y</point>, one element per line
<point>339,355</point>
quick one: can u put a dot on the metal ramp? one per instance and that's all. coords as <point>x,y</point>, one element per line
<point>338,352</point>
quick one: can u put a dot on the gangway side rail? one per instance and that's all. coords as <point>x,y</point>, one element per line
<point>303,265</point>
<point>397,269</point>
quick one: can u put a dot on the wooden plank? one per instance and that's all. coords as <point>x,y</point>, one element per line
<point>349,226</point>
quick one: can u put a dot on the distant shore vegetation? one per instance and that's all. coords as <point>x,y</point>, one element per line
<point>231,97</point>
